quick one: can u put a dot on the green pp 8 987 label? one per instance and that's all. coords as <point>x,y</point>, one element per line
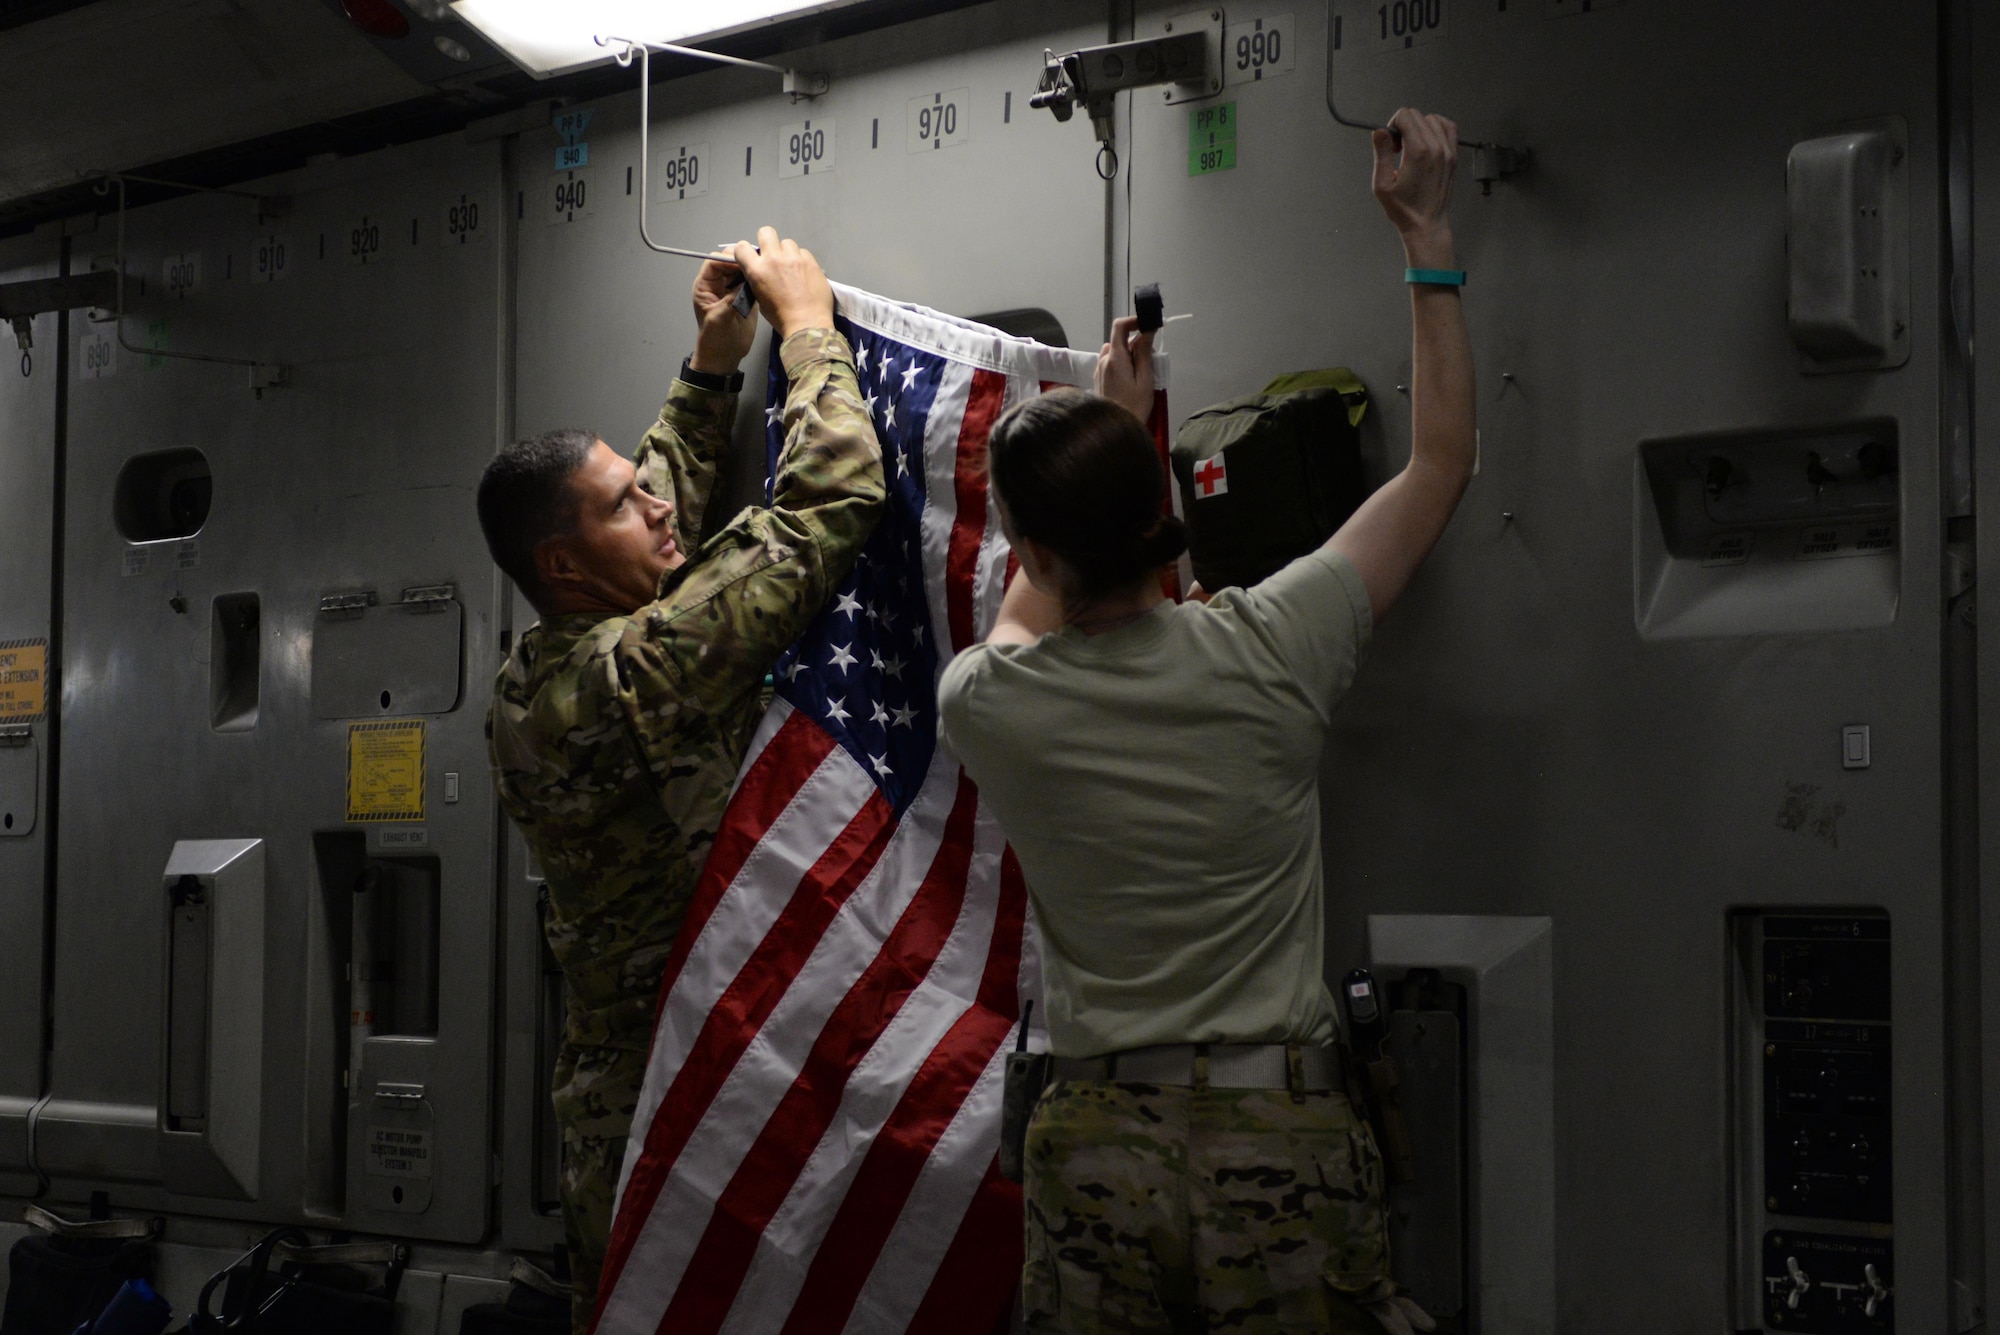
<point>1211,139</point>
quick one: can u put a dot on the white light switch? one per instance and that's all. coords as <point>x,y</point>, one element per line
<point>1854,746</point>
<point>450,787</point>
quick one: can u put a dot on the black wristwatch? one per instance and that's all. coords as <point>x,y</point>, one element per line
<point>720,384</point>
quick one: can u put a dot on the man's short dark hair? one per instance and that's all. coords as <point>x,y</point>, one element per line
<point>525,498</point>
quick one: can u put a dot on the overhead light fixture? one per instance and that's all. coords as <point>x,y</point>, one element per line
<point>546,38</point>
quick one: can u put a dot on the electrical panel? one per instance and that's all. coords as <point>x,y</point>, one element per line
<point>1815,1096</point>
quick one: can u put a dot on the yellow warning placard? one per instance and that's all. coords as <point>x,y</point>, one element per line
<point>24,680</point>
<point>385,770</point>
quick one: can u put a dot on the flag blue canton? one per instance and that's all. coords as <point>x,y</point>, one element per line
<point>866,668</point>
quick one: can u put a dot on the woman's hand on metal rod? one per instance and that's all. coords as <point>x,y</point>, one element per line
<point>1414,187</point>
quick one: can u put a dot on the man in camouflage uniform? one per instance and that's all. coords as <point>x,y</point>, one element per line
<point>620,720</point>
<point>1171,1208</point>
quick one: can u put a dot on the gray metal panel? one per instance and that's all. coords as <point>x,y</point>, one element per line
<point>387,660</point>
<point>1512,745</point>
<point>1980,607</point>
<point>27,481</point>
<point>358,475</point>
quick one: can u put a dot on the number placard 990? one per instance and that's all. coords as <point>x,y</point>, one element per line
<point>805,148</point>
<point>937,120</point>
<point>1400,24</point>
<point>680,172</point>
<point>1259,49</point>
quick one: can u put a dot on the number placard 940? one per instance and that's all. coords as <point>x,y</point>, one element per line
<point>1397,25</point>
<point>567,197</point>
<point>937,120</point>
<point>805,148</point>
<point>680,172</point>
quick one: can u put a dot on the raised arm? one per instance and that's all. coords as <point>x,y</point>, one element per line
<point>1395,529</point>
<point>677,460</point>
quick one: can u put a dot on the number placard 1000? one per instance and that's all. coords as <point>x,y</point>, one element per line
<point>1399,24</point>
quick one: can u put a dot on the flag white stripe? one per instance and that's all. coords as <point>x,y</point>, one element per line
<point>940,517</point>
<point>936,1207</point>
<point>873,1090</point>
<point>770,1063</point>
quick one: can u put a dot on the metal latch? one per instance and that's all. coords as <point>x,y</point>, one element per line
<point>17,734</point>
<point>338,603</point>
<point>429,597</point>
<point>399,1096</point>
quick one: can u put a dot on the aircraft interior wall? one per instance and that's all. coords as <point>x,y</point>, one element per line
<point>1593,797</point>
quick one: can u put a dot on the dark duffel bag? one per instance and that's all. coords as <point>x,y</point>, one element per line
<point>536,1305</point>
<point>286,1286</point>
<point>1267,478</point>
<point>64,1273</point>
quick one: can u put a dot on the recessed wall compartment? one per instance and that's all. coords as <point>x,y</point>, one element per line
<point>370,661</point>
<point>1770,531</point>
<point>162,496</point>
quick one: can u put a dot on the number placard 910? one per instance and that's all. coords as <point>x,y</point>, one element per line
<point>680,172</point>
<point>805,148</point>
<point>1397,25</point>
<point>937,120</point>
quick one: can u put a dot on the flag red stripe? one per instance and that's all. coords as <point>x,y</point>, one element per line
<point>875,1198</point>
<point>738,1014</point>
<point>983,402</point>
<point>976,1282</point>
<point>766,1173</point>
<point>793,754</point>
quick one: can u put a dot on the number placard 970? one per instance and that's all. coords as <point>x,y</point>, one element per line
<point>1400,24</point>
<point>937,120</point>
<point>680,172</point>
<point>805,148</point>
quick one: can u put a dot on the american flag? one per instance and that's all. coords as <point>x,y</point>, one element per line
<point>814,1145</point>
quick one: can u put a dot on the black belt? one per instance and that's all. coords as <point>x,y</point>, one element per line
<point>1214,1065</point>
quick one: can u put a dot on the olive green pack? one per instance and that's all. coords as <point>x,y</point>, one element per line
<point>1267,478</point>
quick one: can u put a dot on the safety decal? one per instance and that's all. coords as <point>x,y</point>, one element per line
<point>385,770</point>
<point>24,680</point>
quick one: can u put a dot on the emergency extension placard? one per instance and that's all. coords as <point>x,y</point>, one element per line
<point>385,770</point>
<point>24,680</point>
<point>1211,139</point>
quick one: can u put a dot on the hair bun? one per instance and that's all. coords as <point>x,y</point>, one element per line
<point>1164,540</point>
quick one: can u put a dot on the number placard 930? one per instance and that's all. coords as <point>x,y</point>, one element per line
<point>464,220</point>
<point>680,172</point>
<point>937,120</point>
<point>805,148</point>
<point>1397,25</point>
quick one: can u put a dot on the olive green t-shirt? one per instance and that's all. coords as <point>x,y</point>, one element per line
<point>1160,784</point>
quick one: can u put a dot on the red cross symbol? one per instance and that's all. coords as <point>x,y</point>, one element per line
<point>1212,478</point>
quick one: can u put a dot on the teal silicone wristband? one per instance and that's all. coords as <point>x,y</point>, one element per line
<point>1441,277</point>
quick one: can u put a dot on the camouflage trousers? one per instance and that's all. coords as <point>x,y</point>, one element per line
<point>596,1090</point>
<point>1171,1209</point>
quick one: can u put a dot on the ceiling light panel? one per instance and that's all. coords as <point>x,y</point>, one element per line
<point>547,38</point>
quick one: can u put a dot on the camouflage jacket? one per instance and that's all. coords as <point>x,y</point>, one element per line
<point>615,742</point>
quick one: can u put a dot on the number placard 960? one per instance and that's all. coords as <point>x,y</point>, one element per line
<point>805,148</point>
<point>937,120</point>
<point>1399,24</point>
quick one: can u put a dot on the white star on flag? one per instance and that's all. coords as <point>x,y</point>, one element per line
<point>772,414</point>
<point>905,717</point>
<point>861,358</point>
<point>835,712</point>
<point>875,659</point>
<point>869,404</point>
<point>881,764</point>
<point>917,635</point>
<point>910,375</point>
<point>894,667</point>
<point>798,666</point>
<point>842,658</point>
<point>889,414</point>
<point>848,603</point>
<point>878,714</point>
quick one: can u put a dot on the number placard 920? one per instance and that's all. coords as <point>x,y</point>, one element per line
<point>937,120</point>
<point>805,148</point>
<point>1397,25</point>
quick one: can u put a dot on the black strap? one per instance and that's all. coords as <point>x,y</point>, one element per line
<point>718,384</point>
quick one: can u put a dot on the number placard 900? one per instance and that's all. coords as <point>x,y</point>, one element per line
<point>1397,25</point>
<point>680,172</point>
<point>805,148</point>
<point>937,120</point>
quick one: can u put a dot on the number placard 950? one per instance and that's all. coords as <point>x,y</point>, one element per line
<point>938,119</point>
<point>1399,24</point>
<point>680,172</point>
<point>805,148</point>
